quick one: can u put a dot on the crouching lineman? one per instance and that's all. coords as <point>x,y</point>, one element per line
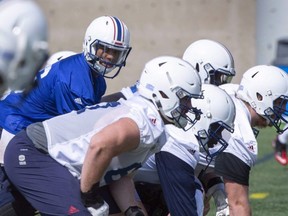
<point>100,143</point>
<point>260,101</point>
<point>215,65</point>
<point>178,158</point>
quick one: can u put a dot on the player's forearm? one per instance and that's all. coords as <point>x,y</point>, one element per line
<point>95,164</point>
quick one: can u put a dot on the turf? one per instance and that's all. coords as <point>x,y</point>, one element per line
<point>268,181</point>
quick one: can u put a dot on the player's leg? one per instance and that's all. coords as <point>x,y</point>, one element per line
<point>11,201</point>
<point>6,197</point>
<point>151,195</point>
<point>178,185</point>
<point>46,184</point>
<point>238,198</point>
<point>214,187</point>
<point>149,189</point>
<point>236,179</point>
<point>123,192</point>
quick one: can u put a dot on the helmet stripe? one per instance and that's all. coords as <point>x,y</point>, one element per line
<point>118,29</point>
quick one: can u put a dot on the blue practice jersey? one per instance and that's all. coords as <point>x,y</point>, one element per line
<point>65,86</point>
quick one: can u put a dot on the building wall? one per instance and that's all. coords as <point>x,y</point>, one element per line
<point>158,27</point>
<point>271,25</point>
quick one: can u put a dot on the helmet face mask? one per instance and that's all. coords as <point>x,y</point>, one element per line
<point>212,141</point>
<point>278,114</point>
<point>265,89</point>
<point>212,60</point>
<point>170,83</point>
<point>106,45</point>
<point>218,115</point>
<point>218,76</point>
<point>185,115</point>
<point>107,57</point>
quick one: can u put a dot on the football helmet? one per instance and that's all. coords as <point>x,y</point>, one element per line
<point>265,88</point>
<point>218,114</point>
<point>59,56</point>
<point>27,23</point>
<point>212,60</point>
<point>106,45</point>
<point>8,46</point>
<point>170,83</point>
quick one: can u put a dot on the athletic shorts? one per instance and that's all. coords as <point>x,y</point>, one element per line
<point>232,168</point>
<point>181,192</point>
<point>46,184</point>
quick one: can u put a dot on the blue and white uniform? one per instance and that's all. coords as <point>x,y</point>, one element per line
<point>70,148</point>
<point>241,153</point>
<point>181,151</point>
<point>242,143</point>
<point>67,137</point>
<point>67,85</point>
<point>183,145</point>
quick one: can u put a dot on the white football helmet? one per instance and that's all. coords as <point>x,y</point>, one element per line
<point>112,36</point>
<point>212,60</point>
<point>265,88</point>
<point>59,56</point>
<point>165,81</point>
<point>25,20</point>
<point>8,47</point>
<point>218,114</point>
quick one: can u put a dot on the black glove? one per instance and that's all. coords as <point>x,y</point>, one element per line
<point>134,211</point>
<point>92,197</point>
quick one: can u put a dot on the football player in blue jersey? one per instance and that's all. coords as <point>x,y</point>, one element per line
<point>73,83</point>
<point>69,84</point>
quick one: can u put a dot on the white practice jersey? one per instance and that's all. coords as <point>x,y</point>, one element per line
<point>242,143</point>
<point>180,143</point>
<point>69,135</point>
<point>130,91</point>
<point>203,160</point>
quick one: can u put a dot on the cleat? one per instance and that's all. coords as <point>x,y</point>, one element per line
<point>223,212</point>
<point>99,211</point>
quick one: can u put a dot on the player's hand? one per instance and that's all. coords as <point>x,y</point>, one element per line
<point>92,197</point>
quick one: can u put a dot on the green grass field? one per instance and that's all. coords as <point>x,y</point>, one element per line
<point>268,181</point>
